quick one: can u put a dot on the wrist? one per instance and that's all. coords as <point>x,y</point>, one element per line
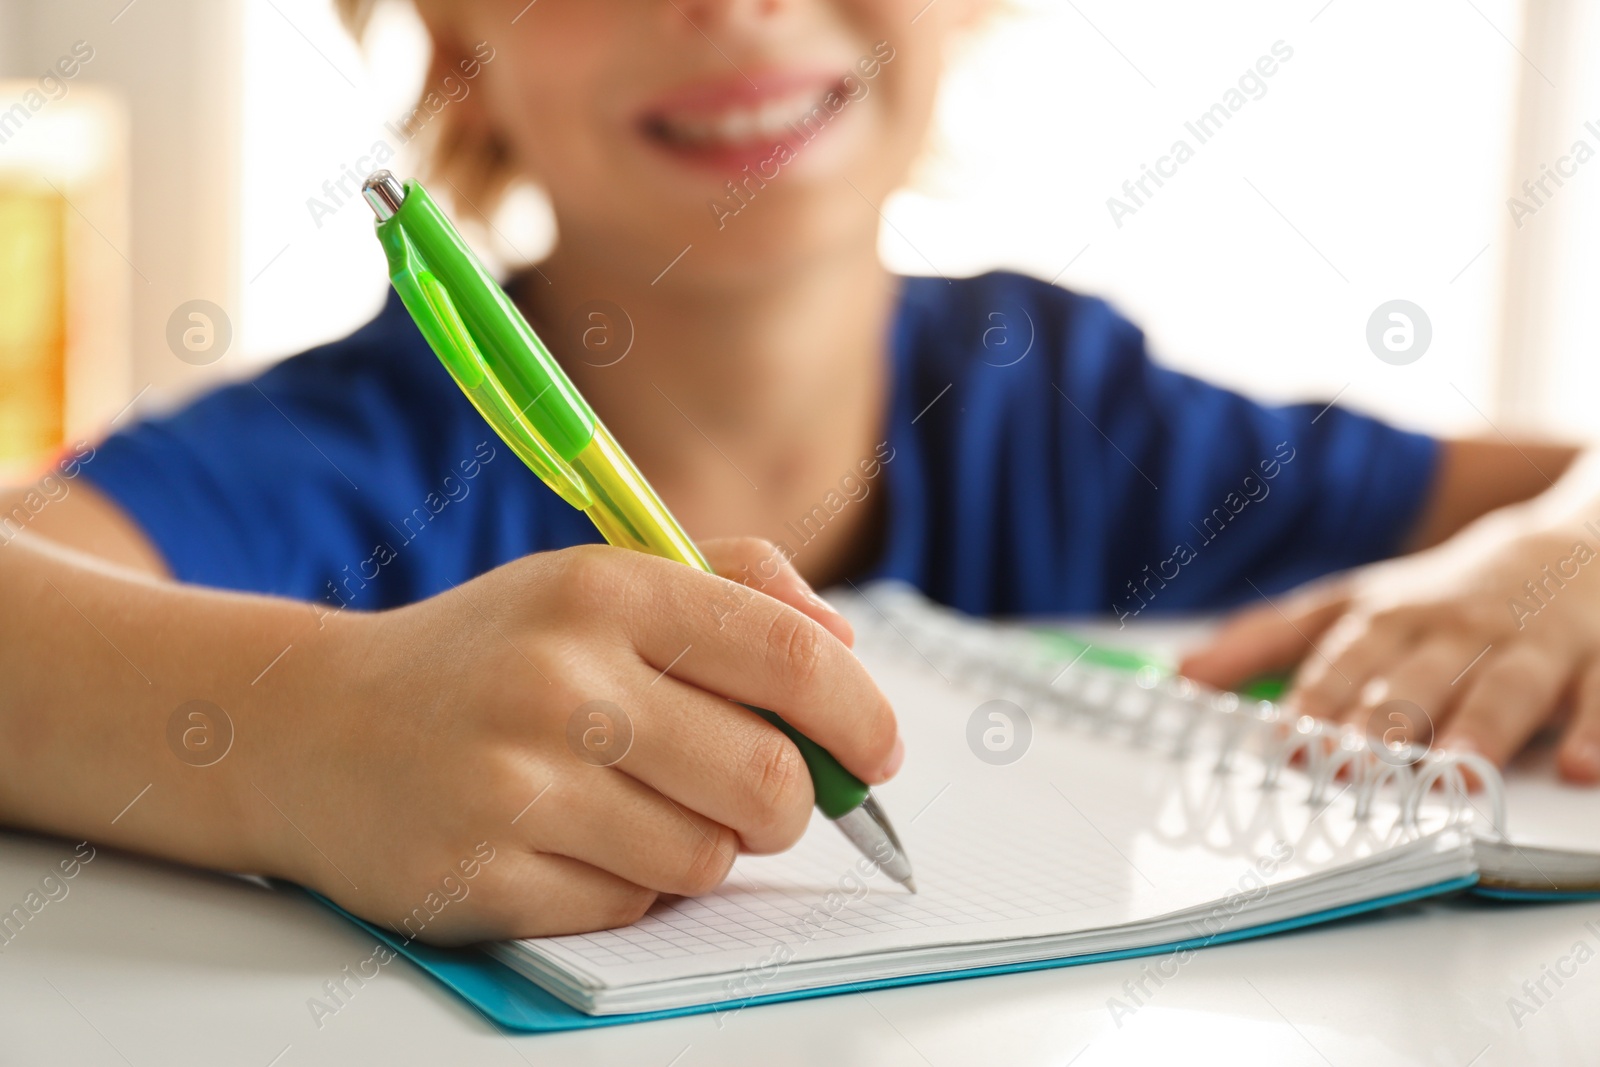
<point>1573,502</point>
<point>295,733</point>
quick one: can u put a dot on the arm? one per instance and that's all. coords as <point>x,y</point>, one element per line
<point>96,656</point>
<point>81,518</point>
<point>387,758</point>
<point>1480,639</point>
<point>1479,475</point>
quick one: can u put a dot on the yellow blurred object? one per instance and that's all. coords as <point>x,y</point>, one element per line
<point>64,367</point>
<point>33,322</point>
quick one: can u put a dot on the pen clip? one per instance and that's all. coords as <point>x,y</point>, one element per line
<point>463,359</point>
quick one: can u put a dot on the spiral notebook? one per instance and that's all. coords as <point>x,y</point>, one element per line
<point>1056,813</point>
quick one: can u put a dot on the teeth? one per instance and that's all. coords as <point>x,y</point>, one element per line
<point>737,126</point>
<point>742,124</point>
<point>774,117</point>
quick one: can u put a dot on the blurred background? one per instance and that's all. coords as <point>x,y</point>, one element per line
<point>170,213</point>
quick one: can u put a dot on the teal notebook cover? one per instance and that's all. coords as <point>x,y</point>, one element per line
<point>516,1003</point>
<point>1534,896</point>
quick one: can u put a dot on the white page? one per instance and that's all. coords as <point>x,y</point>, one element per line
<point>1545,811</point>
<point>1083,832</point>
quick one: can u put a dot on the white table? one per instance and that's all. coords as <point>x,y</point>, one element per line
<point>146,963</point>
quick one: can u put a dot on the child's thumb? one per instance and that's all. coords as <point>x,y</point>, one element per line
<point>765,567</point>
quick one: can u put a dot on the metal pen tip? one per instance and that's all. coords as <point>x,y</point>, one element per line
<point>383,193</point>
<point>868,829</point>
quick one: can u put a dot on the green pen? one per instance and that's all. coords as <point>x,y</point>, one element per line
<point>1060,645</point>
<point>525,396</point>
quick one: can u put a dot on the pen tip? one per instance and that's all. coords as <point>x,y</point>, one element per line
<point>911,884</point>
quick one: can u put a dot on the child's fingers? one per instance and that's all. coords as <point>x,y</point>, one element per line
<point>1579,758</point>
<point>1247,644</point>
<point>1330,680</point>
<point>545,895</point>
<point>1421,679</point>
<point>1263,638</point>
<point>762,565</point>
<point>1511,699</point>
<point>612,821</point>
<point>762,652</point>
<point>723,761</point>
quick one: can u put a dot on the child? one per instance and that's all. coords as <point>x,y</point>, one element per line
<point>366,633</point>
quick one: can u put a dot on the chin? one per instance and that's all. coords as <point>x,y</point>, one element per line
<point>778,235</point>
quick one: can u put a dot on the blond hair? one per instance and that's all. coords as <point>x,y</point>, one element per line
<point>474,161</point>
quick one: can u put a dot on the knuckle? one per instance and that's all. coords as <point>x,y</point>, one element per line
<point>742,559</point>
<point>565,658</point>
<point>588,574</point>
<point>707,862</point>
<point>1443,654</point>
<point>779,806</point>
<point>1310,675</point>
<point>1344,639</point>
<point>750,549</point>
<point>1395,616</point>
<point>794,650</point>
<point>1482,616</point>
<point>1347,628</point>
<point>1514,674</point>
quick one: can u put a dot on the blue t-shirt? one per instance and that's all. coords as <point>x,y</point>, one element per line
<point>1036,460</point>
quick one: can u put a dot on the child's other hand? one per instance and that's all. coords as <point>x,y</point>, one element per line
<point>1490,634</point>
<point>466,726</point>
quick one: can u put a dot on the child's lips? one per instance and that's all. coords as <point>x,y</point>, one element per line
<point>734,122</point>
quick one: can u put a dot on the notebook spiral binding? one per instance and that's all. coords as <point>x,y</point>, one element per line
<point>1149,703</point>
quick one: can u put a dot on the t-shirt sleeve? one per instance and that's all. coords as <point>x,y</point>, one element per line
<point>1216,497</point>
<point>293,481</point>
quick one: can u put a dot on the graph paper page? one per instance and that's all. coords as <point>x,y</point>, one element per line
<point>1083,832</point>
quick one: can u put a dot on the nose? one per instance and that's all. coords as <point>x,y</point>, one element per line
<point>696,17</point>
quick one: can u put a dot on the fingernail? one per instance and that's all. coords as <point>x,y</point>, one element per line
<point>1583,759</point>
<point>839,623</point>
<point>1464,745</point>
<point>811,595</point>
<point>896,758</point>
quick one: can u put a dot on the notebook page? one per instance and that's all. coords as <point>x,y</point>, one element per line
<point>1082,832</point>
<point>1546,811</point>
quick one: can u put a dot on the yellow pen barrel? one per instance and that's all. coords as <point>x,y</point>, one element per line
<point>626,510</point>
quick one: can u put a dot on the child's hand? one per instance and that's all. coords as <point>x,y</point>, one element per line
<point>1490,634</point>
<point>469,719</point>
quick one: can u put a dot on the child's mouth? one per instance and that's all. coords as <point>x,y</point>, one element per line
<point>730,127</point>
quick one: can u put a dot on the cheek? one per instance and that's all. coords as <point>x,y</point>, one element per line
<point>901,102</point>
<point>535,106</point>
<point>548,80</point>
<point>905,41</point>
